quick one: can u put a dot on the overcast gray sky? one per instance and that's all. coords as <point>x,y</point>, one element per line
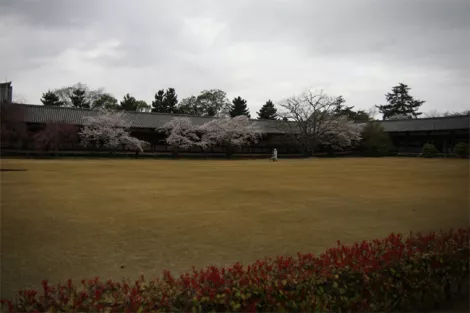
<point>256,49</point>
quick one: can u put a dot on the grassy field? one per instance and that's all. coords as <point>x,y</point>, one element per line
<point>118,218</point>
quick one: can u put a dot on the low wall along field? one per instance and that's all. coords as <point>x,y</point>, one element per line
<point>78,219</point>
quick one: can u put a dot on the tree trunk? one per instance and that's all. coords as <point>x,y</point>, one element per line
<point>228,152</point>
<point>174,152</point>
<point>203,152</point>
<point>309,152</point>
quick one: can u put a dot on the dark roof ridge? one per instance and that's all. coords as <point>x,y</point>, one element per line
<point>425,118</point>
<point>129,112</point>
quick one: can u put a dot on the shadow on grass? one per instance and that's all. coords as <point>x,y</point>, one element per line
<point>12,170</point>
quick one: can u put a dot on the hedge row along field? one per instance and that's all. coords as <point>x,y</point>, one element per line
<point>391,274</point>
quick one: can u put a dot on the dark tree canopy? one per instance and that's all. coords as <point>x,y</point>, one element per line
<point>157,104</point>
<point>165,101</point>
<point>106,101</point>
<point>51,99</point>
<point>170,100</point>
<point>142,106</point>
<point>360,116</point>
<point>400,103</point>
<point>267,111</point>
<point>190,106</point>
<point>78,98</point>
<point>239,107</point>
<point>212,102</point>
<point>375,141</point>
<point>128,103</point>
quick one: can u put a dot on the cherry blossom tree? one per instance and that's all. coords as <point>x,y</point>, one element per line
<point>342,133</point>
<point>230,133</point>
<point>226,132</point>
<point>108,129</point>
<point>182,134</point>
<point>54,135</point>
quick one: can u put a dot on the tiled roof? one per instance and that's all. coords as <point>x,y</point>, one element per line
<point>43,114</point>
<point>428,124</point>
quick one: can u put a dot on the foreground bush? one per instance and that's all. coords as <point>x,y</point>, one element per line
<point>392,274</point>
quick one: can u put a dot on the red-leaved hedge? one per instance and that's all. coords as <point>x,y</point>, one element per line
<point>392,274</point>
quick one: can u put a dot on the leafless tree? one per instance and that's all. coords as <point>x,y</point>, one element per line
<point>65,94</point>
<point>310,120</point>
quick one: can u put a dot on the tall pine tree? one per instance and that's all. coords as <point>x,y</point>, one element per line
<point>78,98</point>
<point>158,104</point>
<point>165,101</point>
<point>128,103</point>
<point>267,111</point>
<point>400,103</point>
<point>170,101</point>
<point>239,107</point>
<point>51,99</point>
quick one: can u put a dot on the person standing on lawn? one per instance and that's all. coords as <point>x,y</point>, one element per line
<point>274,158</point>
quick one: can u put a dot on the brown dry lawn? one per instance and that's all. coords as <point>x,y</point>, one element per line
<point>118,218</point>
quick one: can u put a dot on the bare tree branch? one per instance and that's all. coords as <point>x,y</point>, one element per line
<point>310,120</point>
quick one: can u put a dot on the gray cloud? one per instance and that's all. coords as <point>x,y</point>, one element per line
<point>256,49</point>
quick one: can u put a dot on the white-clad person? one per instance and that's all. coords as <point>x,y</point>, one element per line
<point>274,155</point>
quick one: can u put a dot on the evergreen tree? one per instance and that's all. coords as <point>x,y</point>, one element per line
<point>356,116</point>
<point>239,107</point>
<point>158,104</point>
<point>78,98</point>
<point>128,103</point>
<point>51,99</point>
<point>165,102</point>
<point>170,101</point>
<point>400,102</point>
<point>267,111</point>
